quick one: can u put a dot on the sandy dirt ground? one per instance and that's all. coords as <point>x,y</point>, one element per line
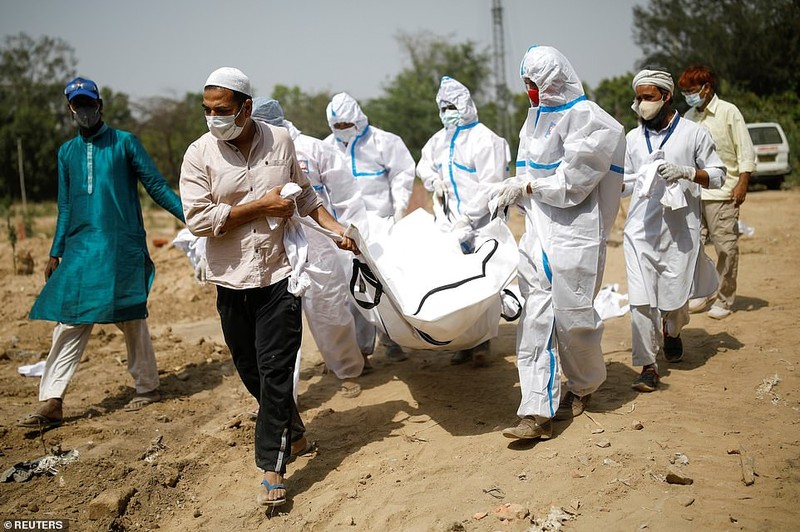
<point>420,448</point>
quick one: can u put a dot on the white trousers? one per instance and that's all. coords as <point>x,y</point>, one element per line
<point>69,343</point>
<point>551,330</point>
<point>326,305</point>
<point>365,331</point>
<point>647,332</point>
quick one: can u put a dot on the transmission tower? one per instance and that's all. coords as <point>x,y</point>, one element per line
<point>499,58</point>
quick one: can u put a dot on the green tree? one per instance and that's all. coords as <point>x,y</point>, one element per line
<point>615,96</point>
<point>408,108</point>
<point>783,108</point>
<point>166,128</point>
<point>305,111</point>
<point>32,104</point>
<point>754,44</point>
<point>117,109</point>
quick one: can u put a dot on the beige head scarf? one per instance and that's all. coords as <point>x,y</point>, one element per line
<point>658,78</point>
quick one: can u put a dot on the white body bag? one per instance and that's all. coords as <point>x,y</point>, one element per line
<point>414,282</point>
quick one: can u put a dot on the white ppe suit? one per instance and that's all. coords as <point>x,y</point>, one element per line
<point>664,257</point>
<point>572,151</point>
<point>468,159</point>
<point>326,300</point>
<point>378,160</point>
<point>383,169</point>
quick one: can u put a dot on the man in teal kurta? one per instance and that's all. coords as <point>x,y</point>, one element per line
<point>99,269</point>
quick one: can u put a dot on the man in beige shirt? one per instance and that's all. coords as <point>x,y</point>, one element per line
<point>231,179</point>
<point>721,206</point>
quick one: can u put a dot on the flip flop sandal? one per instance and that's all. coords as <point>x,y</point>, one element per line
<point>263,501</point>
<point>310,446</point>
<point>38,421</point>
<point>140,401</point>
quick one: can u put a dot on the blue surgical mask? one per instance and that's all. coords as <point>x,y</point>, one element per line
<point>450,118</point>
<point>693,99</point>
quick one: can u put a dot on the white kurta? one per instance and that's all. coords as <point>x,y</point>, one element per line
<point>664,259</point>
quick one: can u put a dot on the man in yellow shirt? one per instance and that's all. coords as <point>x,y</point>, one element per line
<point>721,206</point>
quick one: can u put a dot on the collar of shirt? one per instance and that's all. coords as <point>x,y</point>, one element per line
<point>100,131</point>
<point>711,108</point>
<point>665,128</point>
<point>254,144</point>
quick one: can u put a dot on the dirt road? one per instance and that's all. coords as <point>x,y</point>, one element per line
<point>419,449</point>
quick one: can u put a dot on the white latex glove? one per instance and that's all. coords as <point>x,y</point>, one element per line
<point>673,172</point>
<point>398,214</point>
<point>463,224</point>
<point>510,192</point>
<point>462,229</point>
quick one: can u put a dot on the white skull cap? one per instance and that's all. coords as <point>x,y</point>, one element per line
<point>230,78</point>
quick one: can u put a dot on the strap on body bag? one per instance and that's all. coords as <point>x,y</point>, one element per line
<point>363,276</point>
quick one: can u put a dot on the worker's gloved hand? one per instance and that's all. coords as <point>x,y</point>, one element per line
<point>464,223</point>
<point>673,172</point>
<point>438,192</point>
<point>509,193</point>
<point>462,229</point>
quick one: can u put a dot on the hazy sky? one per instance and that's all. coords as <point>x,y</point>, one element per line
<point>168,47</point>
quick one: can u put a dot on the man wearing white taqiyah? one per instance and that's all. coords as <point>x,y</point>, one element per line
<point>667,161</point>
<point>461,163</point>
<point>326,300</point>
<point>384,171</point>
<point>231,184</point>
<point>569,178</point>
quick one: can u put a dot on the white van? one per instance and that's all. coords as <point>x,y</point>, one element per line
<point>772,154</point>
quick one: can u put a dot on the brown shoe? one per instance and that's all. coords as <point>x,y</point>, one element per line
<point>529,429</point>
<point>571,406</point>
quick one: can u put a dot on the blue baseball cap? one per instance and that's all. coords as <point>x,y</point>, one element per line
<point>81,87</point>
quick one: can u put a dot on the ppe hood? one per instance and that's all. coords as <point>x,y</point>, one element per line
<point>344,108</point>
<point>553,74</point>
<point>453,92</point>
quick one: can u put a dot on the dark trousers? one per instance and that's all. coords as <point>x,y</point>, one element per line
<point>263,330</point>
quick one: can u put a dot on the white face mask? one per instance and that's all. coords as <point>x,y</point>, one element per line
<point>647,110</point>
<point>345,135</point>
<point>224,127</point>
<point>450,118</point>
